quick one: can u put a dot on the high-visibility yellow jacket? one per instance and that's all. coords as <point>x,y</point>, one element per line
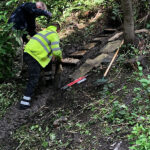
<point>44,45</point>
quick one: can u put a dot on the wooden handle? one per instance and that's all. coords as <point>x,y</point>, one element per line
<point>113,59</point>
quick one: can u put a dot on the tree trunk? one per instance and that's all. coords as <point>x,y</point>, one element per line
<point>128,21</point>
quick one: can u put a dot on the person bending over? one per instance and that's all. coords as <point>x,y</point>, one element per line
<point>23,18</point>
<point>38,53</point>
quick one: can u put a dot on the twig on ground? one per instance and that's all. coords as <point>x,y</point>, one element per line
<point>20,144</point>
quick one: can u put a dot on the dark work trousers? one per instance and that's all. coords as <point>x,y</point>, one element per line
<point>34,70</point>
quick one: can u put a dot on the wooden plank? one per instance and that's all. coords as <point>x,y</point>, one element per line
<point>88,66</point>
<point>103,35</point>
<point>78,53</point>
<point>111,46</point>
<point>114,37</point>
<point>98,39</point>
<point>142,30</point>
<point>90,45</point>
<point>117,35</point>
<point>109,30</point>
<point>71,61</point>
<point>108,58</point>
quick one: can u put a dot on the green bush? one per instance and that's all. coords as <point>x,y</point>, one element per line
<point>63,8</point>
<point>7,48</point>
<point>140,137</point>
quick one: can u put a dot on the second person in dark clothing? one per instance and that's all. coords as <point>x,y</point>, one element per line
<point>23,18</point>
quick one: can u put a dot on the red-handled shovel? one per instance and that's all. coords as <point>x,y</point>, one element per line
<point>79,80</point>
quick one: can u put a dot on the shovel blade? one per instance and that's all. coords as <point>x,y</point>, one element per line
<point>100,81</point>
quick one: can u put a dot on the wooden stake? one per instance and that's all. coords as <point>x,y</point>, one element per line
<point>105,74</point>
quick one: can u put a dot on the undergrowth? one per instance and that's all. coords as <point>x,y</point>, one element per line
<point>9,94</point>
<point>120,113</point>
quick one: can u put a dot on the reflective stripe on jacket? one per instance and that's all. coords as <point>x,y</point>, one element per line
<point>44,45</point>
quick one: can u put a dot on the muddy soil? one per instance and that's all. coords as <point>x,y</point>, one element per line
<point>47,99</point>
<point>53,99</point>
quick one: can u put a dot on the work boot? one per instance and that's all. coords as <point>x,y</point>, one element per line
<point>25,103</point>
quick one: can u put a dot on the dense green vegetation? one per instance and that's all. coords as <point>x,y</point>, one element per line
<point>9,94</point>
<point>7,49</point>
<point>110,115</point>
<point>118,111</point>
<point>108,108</point>
<point>60,10</point>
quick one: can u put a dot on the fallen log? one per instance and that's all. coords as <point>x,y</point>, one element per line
<point>117,35</point>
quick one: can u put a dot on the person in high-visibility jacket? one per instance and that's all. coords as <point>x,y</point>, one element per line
<point>38,54</point>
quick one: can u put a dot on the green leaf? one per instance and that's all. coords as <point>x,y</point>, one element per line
<point>140,68</point>
<point>52,136</point>
<point>9,3</point>
<point>45,144</point>
<point>122,112</point>
<point>47,129</point>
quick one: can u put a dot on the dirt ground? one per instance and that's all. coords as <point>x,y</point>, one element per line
<point>72,103</point>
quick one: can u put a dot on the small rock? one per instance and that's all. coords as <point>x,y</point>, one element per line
<point>63,119</point>
<point>112,145</point>
<point>77,138</point>
<point>57,122</point>
<point>117,147</point>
